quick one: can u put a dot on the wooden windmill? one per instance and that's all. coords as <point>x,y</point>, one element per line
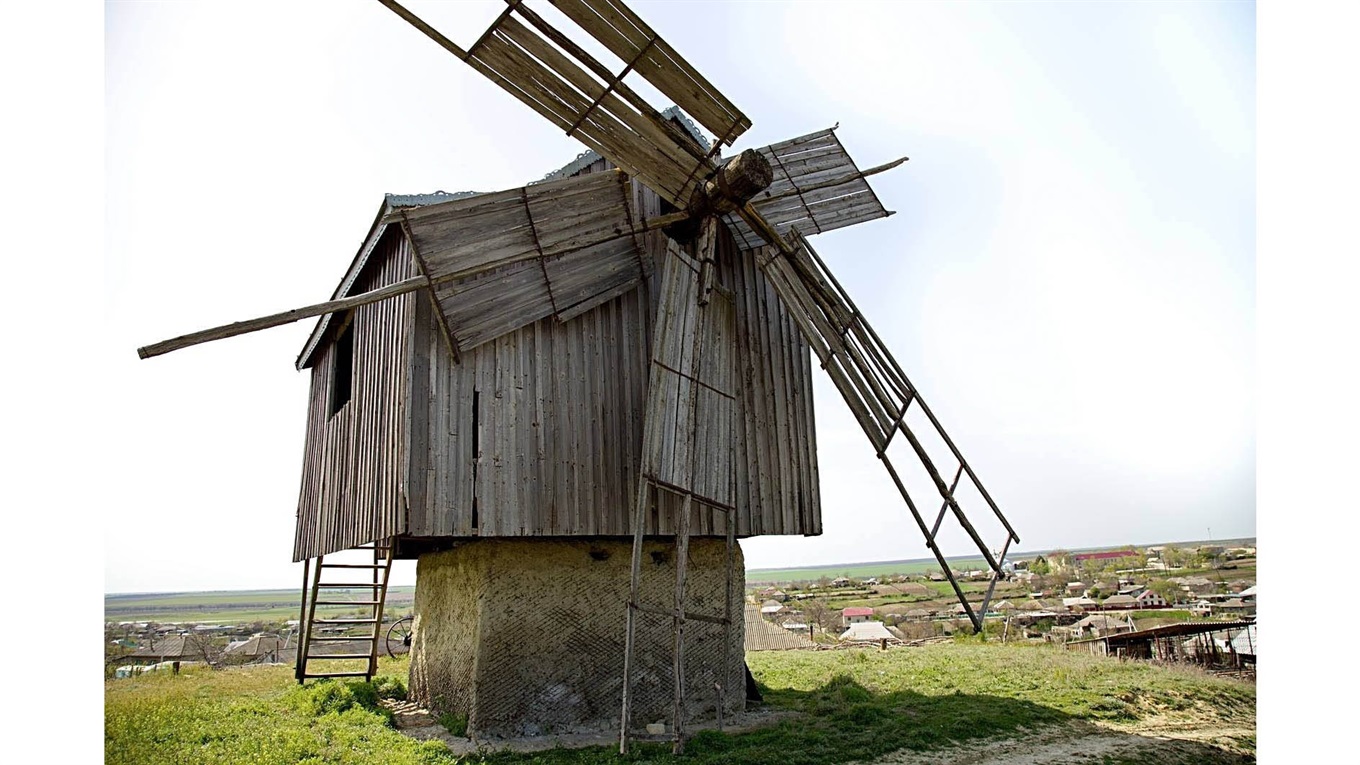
<point>622,351</point>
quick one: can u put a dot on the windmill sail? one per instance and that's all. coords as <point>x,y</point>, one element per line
<point>550,74</point>
<point>881,397</point>
<point>817,187</point>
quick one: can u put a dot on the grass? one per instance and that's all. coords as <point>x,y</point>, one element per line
<point>253,715</point>
<point>850,705</point>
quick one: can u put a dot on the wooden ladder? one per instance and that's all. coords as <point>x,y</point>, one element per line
<point>322,583</point>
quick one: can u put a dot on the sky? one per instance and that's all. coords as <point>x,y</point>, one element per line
<point>1069,278</point>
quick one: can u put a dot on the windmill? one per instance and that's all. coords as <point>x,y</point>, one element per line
<point>719,247</point>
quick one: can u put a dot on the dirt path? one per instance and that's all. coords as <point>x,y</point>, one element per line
<point>1081,742</point>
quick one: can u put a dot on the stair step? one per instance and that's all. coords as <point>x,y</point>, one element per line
<point>348,602</point>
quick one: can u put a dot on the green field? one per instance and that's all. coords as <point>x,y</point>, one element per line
<point>856,570</point>
<point>231,606</point>
<point>853,705</point>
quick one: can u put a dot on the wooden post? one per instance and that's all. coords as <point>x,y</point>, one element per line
<point>639,519</point>
<point>681,570</point>
<point>302,619</point>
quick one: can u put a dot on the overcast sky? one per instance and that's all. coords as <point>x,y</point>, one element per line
<point>1069,279</point>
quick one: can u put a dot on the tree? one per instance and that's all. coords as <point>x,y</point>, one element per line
<point>818,612</point>
<point>205,648</point>
<point>1167,589</point>
<point>1040,566</point>
<point>1059,559</point>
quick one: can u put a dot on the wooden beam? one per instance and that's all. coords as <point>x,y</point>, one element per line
<point>429,31</point>
<point>382,293</point>
<point>279,319</point>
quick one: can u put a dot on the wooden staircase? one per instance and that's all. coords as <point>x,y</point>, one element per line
<point>326,583</point>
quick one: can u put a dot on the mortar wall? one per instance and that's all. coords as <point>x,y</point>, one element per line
<point>525,637</point>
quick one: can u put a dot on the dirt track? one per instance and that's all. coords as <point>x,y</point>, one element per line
<point>1085,742</point>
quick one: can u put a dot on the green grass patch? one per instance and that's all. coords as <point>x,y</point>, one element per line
<point>254,715</point>
<point>847,705</point>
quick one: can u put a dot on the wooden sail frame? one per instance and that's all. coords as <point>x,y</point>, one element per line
<point>544,69</point>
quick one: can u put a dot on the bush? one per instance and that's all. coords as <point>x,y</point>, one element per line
<point>454,724</point>
<point>331,697</point>
<point>390,687</point>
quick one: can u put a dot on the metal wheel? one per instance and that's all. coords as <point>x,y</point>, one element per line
<point>399,637</point>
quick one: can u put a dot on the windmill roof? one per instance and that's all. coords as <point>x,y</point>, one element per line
<point>848,201</point>
<point>393,202</point>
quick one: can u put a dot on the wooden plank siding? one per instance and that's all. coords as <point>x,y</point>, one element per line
<point>538,431</point>
<point>353,463</point>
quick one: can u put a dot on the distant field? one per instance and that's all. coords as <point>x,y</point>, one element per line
<point>856,570</point>
<point>233,605</point>
<point>912,566</point>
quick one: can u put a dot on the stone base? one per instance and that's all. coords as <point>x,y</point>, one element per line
<point>525,637</point>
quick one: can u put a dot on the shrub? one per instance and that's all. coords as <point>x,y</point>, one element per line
<point>390,687</point>
<point>454,724</point>
<point>331,697</point>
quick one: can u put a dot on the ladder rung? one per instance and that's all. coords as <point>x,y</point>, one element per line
<point>354,565</point>
<point>344,621</point>
<point>348,602</point>
<point>307,675</point>
<point>315,656</point>
<point>341,638</point>
<point>365,585</point>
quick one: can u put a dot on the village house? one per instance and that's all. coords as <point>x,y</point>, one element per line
<point>1093,626</point>
<point>1234,607</point>
<point>771,608</point>
<point>1115,602</point>
<point>1194,585</point>
<point>840,581</point>
<point>261,647</point>
<point>1079,604</point>
<point>856,614</point>
<point>1150,599</point>
<point>1080,558</point>
<point>867,632</point>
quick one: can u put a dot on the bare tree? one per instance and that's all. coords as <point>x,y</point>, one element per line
<point>818,612</point>
<point>204,647</point>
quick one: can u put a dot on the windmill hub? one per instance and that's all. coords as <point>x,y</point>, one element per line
<point>728,189</point>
